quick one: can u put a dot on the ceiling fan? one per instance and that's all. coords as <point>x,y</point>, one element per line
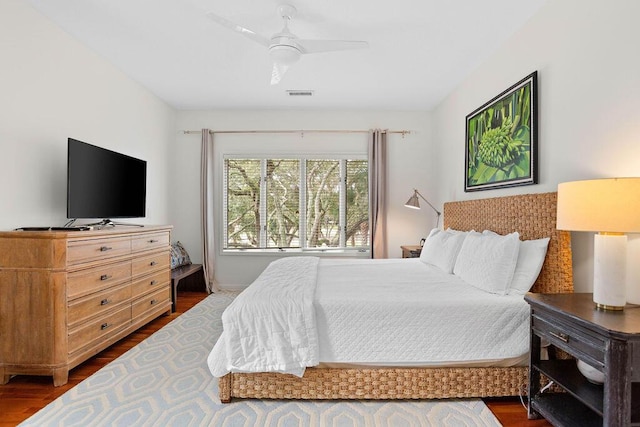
<point>285,48</point>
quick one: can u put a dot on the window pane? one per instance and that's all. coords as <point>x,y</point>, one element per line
<point>357,206</point>
<point>283,203</point>
<point>243,203</point>
<point>263,207</point>
<point>323,203</point>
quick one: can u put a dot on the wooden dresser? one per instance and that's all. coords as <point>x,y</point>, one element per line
<point>67,295</point>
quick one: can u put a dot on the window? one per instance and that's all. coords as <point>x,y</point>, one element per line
<point>303,203</point>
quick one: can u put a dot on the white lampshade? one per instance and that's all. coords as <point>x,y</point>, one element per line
<point>602,205</point>
<point>610,207</point>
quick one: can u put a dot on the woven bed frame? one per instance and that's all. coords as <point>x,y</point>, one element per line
<point>533,216</point>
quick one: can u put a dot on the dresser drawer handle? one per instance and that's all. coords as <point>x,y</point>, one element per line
<point>562,337</point>
<point>105,301</point>
<point>153,241</point>
<point>105,248</point>
<point>152,263</point>
<point>153,282</point>
<point>104,326</point>
<point>105,277</point>
<point>153,301</point>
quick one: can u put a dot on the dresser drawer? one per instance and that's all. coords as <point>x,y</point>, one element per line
<point>98,303</point>
<point>150,283</point>
<point>151,263</point>
<point>150,241</point>
<point>99,329</point>
<point>573,339</point>
<point>150,301</point>
<point>80,251</point>
<point>96,279</point>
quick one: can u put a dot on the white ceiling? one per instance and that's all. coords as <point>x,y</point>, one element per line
<point>420,50</point>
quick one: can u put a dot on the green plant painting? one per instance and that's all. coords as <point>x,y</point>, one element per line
<point>501,139</point>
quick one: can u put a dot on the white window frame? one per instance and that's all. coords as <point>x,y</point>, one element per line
<point>342,250</point>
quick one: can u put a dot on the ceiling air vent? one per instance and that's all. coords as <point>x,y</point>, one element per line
<point>300,92</point>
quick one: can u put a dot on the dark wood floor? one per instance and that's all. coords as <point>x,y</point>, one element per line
<point>23,396</point>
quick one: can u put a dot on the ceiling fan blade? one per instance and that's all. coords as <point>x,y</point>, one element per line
<point>240,29</point>
<point>317,46</point>
<point>277,72</point>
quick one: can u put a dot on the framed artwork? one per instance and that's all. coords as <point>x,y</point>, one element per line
<point>501,140</point>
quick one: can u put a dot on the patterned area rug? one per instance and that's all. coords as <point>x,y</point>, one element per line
<point>164,381</point>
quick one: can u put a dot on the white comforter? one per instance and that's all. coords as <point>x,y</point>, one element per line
<point>270,326</point>
<point>402,312</point>
<point>398,312</point>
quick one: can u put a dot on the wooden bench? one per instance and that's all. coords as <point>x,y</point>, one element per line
<point>180,273</point>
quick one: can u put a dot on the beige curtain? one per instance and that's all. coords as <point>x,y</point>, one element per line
<point>377,152</point>
<point>206,210</point>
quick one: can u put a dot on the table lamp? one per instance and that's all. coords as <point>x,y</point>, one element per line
<point>610,207</point>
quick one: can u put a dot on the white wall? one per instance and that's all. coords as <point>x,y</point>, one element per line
<point>52,88</point>
<point>410,165</point>
<point>588,97</point>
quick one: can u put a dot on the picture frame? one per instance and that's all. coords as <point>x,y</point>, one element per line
<point>501,139</point>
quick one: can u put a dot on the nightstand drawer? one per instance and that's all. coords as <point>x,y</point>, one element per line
<point>411,251</point>
<point>577,341</point>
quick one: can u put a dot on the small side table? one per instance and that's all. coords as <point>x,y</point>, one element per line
<point>608,341</point>
<point>411,251</point>
<point>177,274</point>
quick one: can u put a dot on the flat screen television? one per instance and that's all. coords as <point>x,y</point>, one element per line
<point>104,184</point>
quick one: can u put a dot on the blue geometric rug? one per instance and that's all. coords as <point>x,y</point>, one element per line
<point>164,381</point>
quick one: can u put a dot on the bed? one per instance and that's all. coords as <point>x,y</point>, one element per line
<point>533,216</point>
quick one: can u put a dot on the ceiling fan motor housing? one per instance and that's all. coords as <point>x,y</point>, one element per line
<point>284,53</point>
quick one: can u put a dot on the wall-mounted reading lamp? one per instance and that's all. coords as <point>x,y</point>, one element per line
<point>414,203</point>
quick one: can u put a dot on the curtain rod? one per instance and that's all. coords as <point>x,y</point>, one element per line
<point>402,132</point>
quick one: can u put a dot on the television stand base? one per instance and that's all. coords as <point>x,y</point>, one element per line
<point>109,223</point>
<point>102,224</point>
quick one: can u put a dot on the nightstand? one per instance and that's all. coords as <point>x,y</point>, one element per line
<point>411,251</point>
<point>608,341</point>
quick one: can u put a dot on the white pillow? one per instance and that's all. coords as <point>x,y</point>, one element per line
<point>528,266</point>
<point>488,261</point>
<point>441,249</point>
<point>530,259</point>
<point>451,230</point>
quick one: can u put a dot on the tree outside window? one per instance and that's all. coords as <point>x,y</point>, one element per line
<point>296,203</point>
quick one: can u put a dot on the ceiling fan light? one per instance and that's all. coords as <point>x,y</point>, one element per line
<point>284,55</point>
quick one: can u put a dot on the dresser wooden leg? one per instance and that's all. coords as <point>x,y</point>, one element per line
<point>4,377</point>
<point>60,376</point>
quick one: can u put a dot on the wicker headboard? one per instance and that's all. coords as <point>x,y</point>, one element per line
<point>534,217</point>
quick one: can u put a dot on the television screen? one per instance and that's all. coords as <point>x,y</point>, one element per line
<point>104,184</point>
